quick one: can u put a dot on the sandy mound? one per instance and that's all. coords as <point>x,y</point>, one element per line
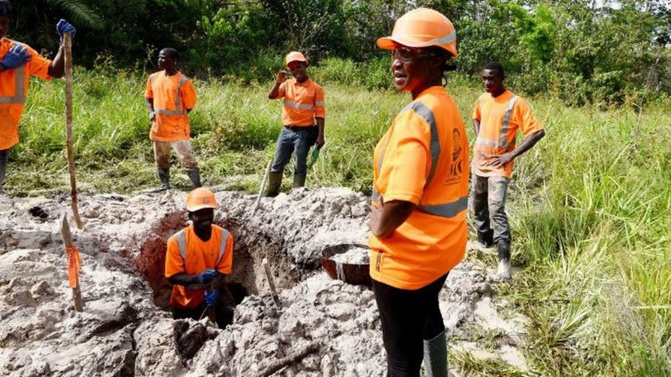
<point>324,327</point>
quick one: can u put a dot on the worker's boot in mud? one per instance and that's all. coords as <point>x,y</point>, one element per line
<point>274,183</point>
<point>194,176</point>
<point>299,180</point>
<point>164,176</point>
<point>504,271</point>
<point>435,356</point>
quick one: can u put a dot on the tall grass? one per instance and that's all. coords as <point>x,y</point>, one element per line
<point>589,204</point>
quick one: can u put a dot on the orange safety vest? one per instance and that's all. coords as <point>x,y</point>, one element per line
<point>173,96</point>
<point>422,159</point>
<point>500,118</point>
<point>190,255</point>
<point>303,102</point>
<point>14,91</point>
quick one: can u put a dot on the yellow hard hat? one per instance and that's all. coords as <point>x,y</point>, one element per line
<point>294,56</point>
<point>422,27</point>
<point>200,198</point>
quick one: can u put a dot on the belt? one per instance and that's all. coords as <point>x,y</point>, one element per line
<point>297,128</point>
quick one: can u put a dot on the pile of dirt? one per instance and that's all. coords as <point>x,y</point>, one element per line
<point>323,327</point>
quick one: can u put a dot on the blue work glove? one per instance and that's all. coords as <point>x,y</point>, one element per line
<point>16,56</point>
<point>206,276</point>
<point>64,27</point>
<point>211,297</point>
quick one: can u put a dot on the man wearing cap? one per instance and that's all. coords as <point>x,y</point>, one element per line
<point>198,258</point>
<point>498,114</point>
<point>18,62</point>
<point>303,107</point>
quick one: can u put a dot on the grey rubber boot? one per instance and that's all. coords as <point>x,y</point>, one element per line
<point>164,176</point>
<point>299,180</point>
<point>194,176</point>
<point>435,356</point>
<point>274,183</point>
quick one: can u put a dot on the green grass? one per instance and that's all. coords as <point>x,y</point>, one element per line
<point>589,205</point>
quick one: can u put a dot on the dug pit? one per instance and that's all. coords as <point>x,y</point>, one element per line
<point>322,327</point>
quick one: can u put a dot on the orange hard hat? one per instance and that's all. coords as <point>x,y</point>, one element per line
<point>422,27</point>
<point>200,198</point>
<point>294,56</point>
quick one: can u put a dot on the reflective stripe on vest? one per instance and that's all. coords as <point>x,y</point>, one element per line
<point>20,89</point>
<point>178,99</point>
<point>502,142</point>
<point>446,210</point>
<point>297,105</point>
<point>181,242</point>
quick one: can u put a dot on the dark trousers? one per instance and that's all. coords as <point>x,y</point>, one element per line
<point>488,198</point>
<point>408,318</point>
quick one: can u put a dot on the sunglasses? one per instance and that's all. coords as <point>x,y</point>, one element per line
<point>408,55</point>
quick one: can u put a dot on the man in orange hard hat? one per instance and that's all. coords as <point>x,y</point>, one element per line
<point>18,62</point>
<point>420,197</point>
<point>303,118</point>
<point>170,97</point>
<point>498,115</point>
<point>198,258</point>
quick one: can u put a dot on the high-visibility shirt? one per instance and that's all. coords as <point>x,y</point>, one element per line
<point>422,159</point>
<point>173,96</point>
<point>303,102</point>
<point>14,91</point>
<point>500,118</point>
<point>190,255</point>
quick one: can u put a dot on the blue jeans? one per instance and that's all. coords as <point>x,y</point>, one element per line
<point>488,196</point>
<point>291,141</point>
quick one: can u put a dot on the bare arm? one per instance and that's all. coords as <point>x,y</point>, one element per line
<point>385,220</point>
<point>57,67</point>
<point>275,90</point>
<point>526,144</point>
<point>320,137</point>
<point>476,126</point>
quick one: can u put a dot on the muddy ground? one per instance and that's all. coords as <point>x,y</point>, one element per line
<point>323,327</point>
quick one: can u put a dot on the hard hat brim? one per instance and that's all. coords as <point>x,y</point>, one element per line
<point>387,43</point>
<point>202,206</point>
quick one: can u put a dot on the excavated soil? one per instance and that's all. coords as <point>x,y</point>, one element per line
<point>322,327</point>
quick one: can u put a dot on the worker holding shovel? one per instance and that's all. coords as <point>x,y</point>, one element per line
<point>18,62</point>
<point>198,258</point>
<point>303,119</point>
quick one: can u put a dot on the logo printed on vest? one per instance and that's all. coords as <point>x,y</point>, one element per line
<point>457,163</point>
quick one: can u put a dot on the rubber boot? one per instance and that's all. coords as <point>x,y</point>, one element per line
<point>4,156</point>
<point>504,271</point>
<point>274,183</point>
<point>435,356</point>
<point>299,180</point>
<point>164,176</point>
<point>194,176</point>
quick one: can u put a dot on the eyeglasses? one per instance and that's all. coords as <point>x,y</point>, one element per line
<point>409,55</point>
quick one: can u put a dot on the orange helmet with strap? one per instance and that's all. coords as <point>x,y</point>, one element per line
<point>422,27</point>
<point>294,56</point>
<point>200,198</point>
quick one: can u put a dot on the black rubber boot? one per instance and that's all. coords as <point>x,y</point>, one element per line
<point>274,183</point>
<point>4,157</point>
<point>299,180</point>
<point>164,176</point>
<point>435,356</point>
<point>194,176</point>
